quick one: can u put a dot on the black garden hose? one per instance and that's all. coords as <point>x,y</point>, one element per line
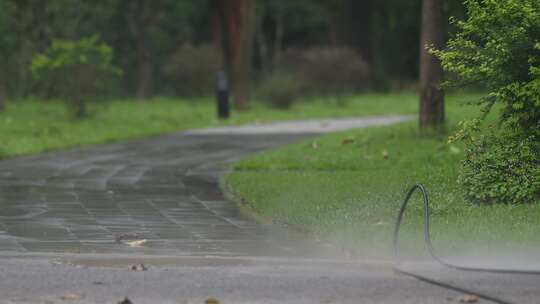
<point>427,239</point>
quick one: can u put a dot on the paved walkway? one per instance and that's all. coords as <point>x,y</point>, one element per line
<point>163,190</point>
<point>315,126</point>
<point>58,210</point>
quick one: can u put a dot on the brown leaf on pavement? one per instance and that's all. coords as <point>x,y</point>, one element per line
<point>126,300</point>
<point>137,243</point>
<point>70,296</point>
<point>211,301</point>
<point>138,267</point>
<point>468,298</point>
<point>126,236</point>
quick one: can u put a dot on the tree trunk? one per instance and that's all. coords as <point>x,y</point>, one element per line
<point>358,26</point>
<point>242,66</point>
<point>278,43</point>
<point>237,21</point>
<point>24,20</point>
<point>431,72</point>
<point>3,93</point>
<point>140,15</point>
<point>144,68</point>
<point>262,46</point>
<point>222,35</point>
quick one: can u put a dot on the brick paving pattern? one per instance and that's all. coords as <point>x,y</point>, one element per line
<point>163,190</point>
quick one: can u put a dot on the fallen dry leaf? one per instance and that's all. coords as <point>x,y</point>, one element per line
<point>211,301</point>
<point>347,140</point>
<point>126,236</point>
<point>469,298</point>
<point>126,300</point>
<point>72,296</point>
<point>138,267</point>
<point>137,243</point>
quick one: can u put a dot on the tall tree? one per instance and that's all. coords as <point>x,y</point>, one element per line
<point>431,72</point>
<point>141,15</point>
<point>3,96</point>
<point>30,17</point>
<point>244,54</point>
<point>237,22</point>
<point>358,21</point>
<point>7,46</point>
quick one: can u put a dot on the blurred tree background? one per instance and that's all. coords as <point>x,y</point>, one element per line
<point>279,50</point>
<point>326,53</point>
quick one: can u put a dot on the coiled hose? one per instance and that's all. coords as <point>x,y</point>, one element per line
<point>429,246</point>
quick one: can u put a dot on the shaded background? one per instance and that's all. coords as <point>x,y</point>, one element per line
<point>173,48</point>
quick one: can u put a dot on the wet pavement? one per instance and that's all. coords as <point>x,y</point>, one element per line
<point>67,220</point>
<point>163,190</point>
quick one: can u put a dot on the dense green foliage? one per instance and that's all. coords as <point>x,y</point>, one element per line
<point>346,188</point>
<point>193,69</point>
<point>499,46</point>
<point>148,37</point>
<point>329,71</point>
<point>280,89</point>
<point>76,71</point>
<point>501,168</point>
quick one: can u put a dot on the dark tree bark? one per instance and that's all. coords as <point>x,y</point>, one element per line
<point>25,46</point>
<point>431,72</point>
<point>223,33</point>
<point>3,93</point>
<point>244,55</point>
<point>262,45</point>
<point>145,68</point>
<point>358,26</point>
<point>237,22</point>
<point>143,14</point>
<point>278,42</point>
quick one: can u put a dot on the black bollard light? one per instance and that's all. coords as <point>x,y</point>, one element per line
<point>222,92</point>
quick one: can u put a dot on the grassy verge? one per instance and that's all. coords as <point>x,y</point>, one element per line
<point>36,126</point>
<point>347,187</point>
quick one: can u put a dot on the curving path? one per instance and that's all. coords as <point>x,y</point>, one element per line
<point>67,220</point>
<point>163,190</point>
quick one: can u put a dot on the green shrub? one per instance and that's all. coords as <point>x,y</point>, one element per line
<point>193,69</point>
<point>327,70</point>
<point>280,90</point>
<point>76,70</point>
<point>499,45</point>
<point>500,167</point>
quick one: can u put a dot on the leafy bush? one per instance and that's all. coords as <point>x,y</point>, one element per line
<point>327,70</point>
<point>76,70</point>
<point>500,166</point>
<point>280,90</point>
<point>499,45</point>
<point>193,69</point>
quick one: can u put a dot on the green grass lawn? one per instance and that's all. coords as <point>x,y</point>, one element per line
<point>350,193</point>
<point>35,126</point>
